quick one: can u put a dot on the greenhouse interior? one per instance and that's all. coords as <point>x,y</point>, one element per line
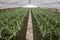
<point>29,19</point>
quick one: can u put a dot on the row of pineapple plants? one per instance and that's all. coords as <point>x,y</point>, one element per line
<point>11,22</point>
<point>48,23</point>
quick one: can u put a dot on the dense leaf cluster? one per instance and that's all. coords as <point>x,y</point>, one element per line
<point>48,22</point>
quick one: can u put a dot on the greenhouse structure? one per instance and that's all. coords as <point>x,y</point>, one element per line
<point>29,19</point>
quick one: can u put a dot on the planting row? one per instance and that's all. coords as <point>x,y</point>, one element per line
<point>47,24</point>
<point>11,22</point>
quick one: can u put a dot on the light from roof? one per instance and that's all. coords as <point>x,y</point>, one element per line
<point>30,6</point>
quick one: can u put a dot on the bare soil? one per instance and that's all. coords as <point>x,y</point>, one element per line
<point>29,35</point>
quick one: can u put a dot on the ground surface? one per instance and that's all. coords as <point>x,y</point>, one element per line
<point>29,35</point>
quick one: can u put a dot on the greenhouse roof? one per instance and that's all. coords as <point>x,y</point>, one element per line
<point>21,3</point>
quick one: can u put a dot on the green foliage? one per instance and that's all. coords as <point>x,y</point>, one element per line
<point>11,22</point>
<point>48,22</point>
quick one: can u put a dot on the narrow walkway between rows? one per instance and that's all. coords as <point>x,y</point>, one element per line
<point>29,35</point>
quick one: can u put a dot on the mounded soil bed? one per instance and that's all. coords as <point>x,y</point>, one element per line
<point>36,32</point>
<point>22,33</point>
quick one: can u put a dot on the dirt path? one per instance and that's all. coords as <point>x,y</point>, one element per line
<point>29,35</point>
